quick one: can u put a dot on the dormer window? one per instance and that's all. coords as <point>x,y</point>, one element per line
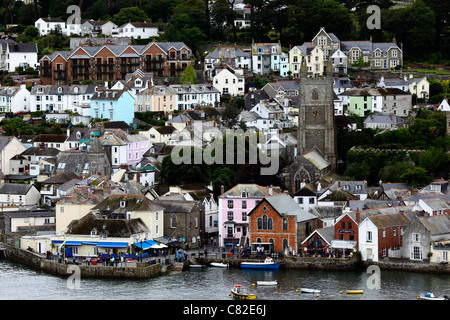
<point>244,194</point>
<point>59,89</point>
<point>123,204</point>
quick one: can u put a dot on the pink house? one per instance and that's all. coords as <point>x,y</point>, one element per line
<point>234,205</point>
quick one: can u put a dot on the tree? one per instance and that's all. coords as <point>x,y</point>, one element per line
<point>189,75</point>
<point>393,172</point>
<point>417,177</point>
<point>435,161</point>
<point>131,14</point>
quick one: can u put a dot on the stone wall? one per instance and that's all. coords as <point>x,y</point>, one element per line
<point>410,266</point>
<point>140,271</point>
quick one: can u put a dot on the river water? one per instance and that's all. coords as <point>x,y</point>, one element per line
<point>20,282</point>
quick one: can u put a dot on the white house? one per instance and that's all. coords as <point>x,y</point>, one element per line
<point>137,30</point>
<point>13,55</point>
<point>419,86</point>
<point>14,99</point>
<point>433,206</point>
<point>93,28</point>
<point>339,62</point>
<point>211,216</point>
<point>19,194</point>
<point>229,81</point>
<point>444,106</point>
<point>46,25</point>
<point>9,147</point>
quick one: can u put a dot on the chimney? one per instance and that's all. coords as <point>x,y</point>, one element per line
<point>270,190</point>
<point>222,189</point>
<point>138,176</point>
<point>358,216</point>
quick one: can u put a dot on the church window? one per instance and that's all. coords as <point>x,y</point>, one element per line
<point>315,95</point>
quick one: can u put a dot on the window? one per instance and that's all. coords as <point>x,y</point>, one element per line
<point>230,204</point>
<point>285,224</point>
<point>343,225</point>
<point>311,200</point>
<point>384,233</point>
<point>383,252</point>
<point>369,236</point>
<point>244,216</point>
<point>444,256</point>
<point>244,204</point>
<point>315,95</point>
<point>300,200</point>
<point>416,253</point>
<point>394,232</point>
<point>416,237</point>
<point>61,209</point>
<point>230,215</point>
<point>349,225</point>
<point>173,222</point>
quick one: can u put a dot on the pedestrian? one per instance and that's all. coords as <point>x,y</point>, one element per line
<point>206,252</point>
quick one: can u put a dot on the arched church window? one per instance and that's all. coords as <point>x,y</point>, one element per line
<point>314,95</point>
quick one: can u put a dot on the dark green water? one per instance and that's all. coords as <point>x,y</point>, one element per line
<point>20,282</point>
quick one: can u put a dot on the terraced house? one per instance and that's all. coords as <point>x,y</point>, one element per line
<point>114,62</point>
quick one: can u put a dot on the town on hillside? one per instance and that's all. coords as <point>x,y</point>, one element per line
<point>115,141</point>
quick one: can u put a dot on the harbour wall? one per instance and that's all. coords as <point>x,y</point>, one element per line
<point>137,271</point>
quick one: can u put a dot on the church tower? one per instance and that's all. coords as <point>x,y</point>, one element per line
<point>316,125</point>
<point>316,135</point>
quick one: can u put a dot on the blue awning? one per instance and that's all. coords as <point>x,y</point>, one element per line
<point>105,244</point>
<point>90,243</point>
<point>145,244</point>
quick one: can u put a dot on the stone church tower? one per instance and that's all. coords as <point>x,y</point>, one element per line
<point>316,149</point>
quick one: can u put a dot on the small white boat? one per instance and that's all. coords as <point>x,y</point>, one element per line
<point>306,290</point>
<point>267,283</point>
<point>197,266</point>
<point>431,296</point>
<point>219,265</point>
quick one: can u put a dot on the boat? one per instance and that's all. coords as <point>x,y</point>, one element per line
<point>268,263</point>
<point>431,296</point>
<point>196,266</point>
<point>239,292</point>
<point>354,291</point>
<point>219,264</point>
<point>306,290</point>
<point>267,283</point>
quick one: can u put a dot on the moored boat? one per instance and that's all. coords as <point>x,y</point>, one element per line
<point>219,265</point>
<point>197,266</point>
<point>268,263</point>
<point>306,290</point>
<point>239,292</point>
<point>267,283</point>
<point>431,296</point>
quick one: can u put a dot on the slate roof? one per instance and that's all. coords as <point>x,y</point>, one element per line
<point>252,190</point>
<point>132,203</point>
<point>389,220</point>
<point>177,206</point>
<point>38,151</point>
<point>113,228</point>
<point>18,47</point>
<point>15,188</point>
<point>438,224</point>
<point>61,178</point>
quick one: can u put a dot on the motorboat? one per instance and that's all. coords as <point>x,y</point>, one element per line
<point>307,290</point>
<point>268,263</point>
<point>219,265</point>
<point>197,266</point>
<point>239,292</point>
<point>431,296</point>
<point>354,291</point>
<point>267,283</point>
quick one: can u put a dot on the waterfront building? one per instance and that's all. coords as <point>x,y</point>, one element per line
<point>234,205</point>
<point>421,235</point>
<point>273,224</point>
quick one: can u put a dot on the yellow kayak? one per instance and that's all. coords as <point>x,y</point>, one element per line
<point>355,291</point>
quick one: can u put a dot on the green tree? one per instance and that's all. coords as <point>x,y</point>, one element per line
<point>189,75</point>
<point>417,177</point>
<point>130,14</point>
<point>393,172</point>
<point>435,161</point>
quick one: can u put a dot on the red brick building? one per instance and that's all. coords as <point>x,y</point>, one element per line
<point>273,224</point>
<point>346,226</point>
<point>112,62</point>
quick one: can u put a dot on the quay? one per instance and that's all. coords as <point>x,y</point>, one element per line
<point>166,265</point>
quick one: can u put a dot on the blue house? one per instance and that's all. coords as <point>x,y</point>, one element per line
<point>115,105</point>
